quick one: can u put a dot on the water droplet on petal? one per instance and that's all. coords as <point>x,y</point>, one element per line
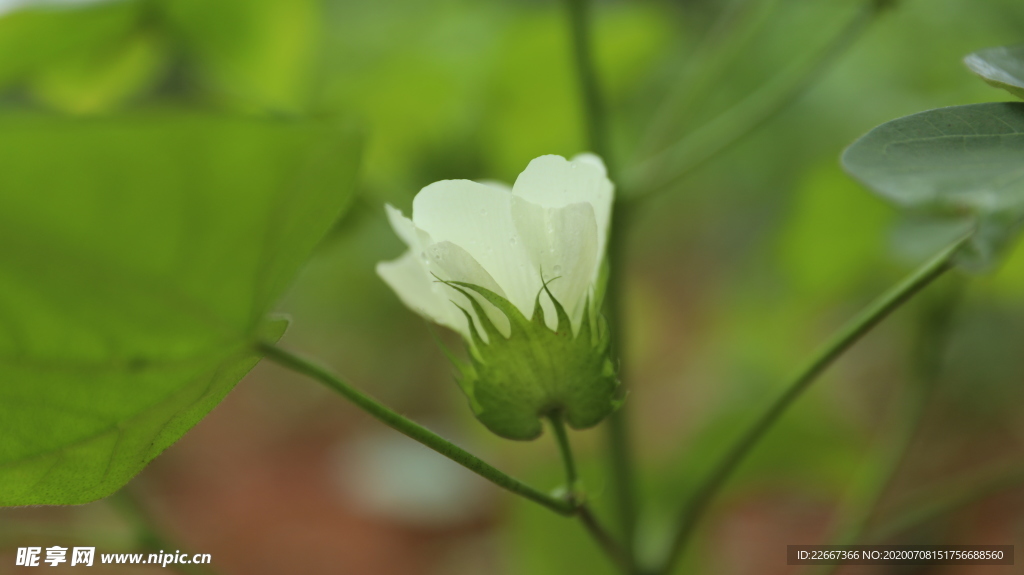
<point>557,270</point>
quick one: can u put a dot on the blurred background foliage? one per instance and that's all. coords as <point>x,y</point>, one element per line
<point>734,276</point>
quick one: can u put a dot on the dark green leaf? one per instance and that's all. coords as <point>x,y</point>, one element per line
<point>139,259</point>
<point>953,167</point>
<point>1002,67</point>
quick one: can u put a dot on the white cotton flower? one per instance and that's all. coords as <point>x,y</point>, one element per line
<point>554,221</point>
<point>482,255</point>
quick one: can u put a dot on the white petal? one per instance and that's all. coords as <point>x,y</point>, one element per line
<point>404,228</point>
<point>593,160</point>
<point>478,219</point>
<point>563,243</point>
<point>409,278</point>
<point>554,182</point>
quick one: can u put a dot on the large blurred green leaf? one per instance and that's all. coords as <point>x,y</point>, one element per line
<point>82,60</point>
<point>955,166</point>
<point>139,258</point>
<point>1002,67</point>
<point>101,78</point>
<point>30,39</point>
<point>257,54</point>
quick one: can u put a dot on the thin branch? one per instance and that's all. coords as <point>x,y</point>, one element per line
<point>871,316</point>
<point>583,511</point>
<point>724,42</point>
<point>414,430</point>
<point>942,501</point>
<point>590,90</point>
<point>603,538</point>
<point>578,12</point>
<point>562,438</point>
<point>658,173</point>
<point>932,331</point>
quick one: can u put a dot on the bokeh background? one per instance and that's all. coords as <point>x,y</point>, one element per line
<point>734,276</point>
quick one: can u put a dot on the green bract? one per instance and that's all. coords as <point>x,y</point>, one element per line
<point>953,168</point>
<point>512,382</point>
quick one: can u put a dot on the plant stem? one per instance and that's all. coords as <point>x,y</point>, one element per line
<point>562,438</point>
<point>414,430</point>
<point>595,117</point>
<point>726,40</point>
<point>618,436</point>
<point>833,349</point>
<point>603,538</point>
<point>933,327</point>
<point>621,458</point>
<point>587,517</point>
<point>658,173</point>
<point>945,500</point>
<point>590,90</point>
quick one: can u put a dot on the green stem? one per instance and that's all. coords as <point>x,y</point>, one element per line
<point>590,90</point>
<point>932,332</point>
<point>871,316</point>
<point>587,517</point>
<point>620,451</point>
<point>658,173</point>
<point>621,458</point>
<point>414,430</point>
<point>603,538</point>
<point>595,117</point>
<point>562,437</point>
<point>726,40</point>
<point>618,436</point>
<point>944,500</point>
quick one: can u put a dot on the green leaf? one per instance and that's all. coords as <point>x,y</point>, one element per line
<point>255,54</point>
<point>140,256</point>
<point>103,77</point>
<point>1002,67</point>
<point>32,40</point>
<point>951,168</point>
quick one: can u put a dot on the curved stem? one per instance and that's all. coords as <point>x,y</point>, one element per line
<point>603,538</point>
<point>699,502</point>
<point>940,502</point>
<point>583,511</point>
<point>726,40</point>
<point>657,174</point>
<point>414,430</point>
<point>933,327</point>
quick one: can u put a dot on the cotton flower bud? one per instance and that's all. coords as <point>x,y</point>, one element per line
<point>517,272</point>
